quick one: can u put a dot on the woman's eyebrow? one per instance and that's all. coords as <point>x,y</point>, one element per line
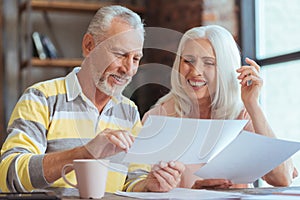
<point>208,57</point>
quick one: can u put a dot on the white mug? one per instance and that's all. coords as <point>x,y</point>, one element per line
<point>91,175</point>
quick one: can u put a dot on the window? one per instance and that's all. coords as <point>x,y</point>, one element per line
<point>277,25</point>
<point>270,35</point>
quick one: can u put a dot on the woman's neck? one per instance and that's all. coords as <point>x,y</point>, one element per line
<point>204,106</point>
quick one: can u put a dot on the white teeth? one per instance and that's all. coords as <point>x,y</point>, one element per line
<point>196,83</point>
<point>119,79</point>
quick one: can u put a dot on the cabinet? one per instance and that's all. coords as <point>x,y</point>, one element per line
<point>27,8</point>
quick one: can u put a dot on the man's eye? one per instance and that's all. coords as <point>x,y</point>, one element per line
<point>119,55</point>
<point>137,59</point>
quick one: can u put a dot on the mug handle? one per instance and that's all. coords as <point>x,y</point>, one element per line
<point>63,174</point>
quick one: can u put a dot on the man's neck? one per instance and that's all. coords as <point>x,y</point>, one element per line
<point>98,98</point>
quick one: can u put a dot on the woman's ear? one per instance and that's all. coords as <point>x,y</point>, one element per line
<point>88,44</point>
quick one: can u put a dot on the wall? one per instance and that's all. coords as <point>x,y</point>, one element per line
<point>10,55</point>
<point>223,12</point>
<point>70,45</point>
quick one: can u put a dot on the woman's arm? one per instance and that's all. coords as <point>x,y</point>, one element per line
<point>251,84</point>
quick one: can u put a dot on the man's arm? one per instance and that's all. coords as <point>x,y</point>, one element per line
<point>105,144</point>
<point>24,165</point>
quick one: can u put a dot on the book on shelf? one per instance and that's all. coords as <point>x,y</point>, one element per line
<point>43,47</point>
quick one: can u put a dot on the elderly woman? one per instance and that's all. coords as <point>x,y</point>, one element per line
<point>208,82</point>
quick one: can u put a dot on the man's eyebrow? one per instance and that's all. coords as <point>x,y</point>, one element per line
<point>119,49</point>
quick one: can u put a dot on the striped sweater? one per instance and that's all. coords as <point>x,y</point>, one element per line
<point>53,116</point>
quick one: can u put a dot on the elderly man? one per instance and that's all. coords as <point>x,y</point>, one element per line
<point>80,116</point>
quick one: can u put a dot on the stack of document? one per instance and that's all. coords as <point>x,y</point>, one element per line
<point>183,193</point>
<point>228,151</point>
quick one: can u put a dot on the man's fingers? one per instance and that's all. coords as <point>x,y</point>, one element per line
<point>120,138</point>
<point>128,138</point>
<point>116,141</point>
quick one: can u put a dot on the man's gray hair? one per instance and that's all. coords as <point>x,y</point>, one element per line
<point>101,22</point>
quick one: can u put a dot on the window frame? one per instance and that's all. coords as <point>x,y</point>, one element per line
<point>248,37</point>
<point>248,41</point>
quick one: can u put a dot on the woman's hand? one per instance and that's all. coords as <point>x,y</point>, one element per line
<point>212,184</point>
<point>162,178</point>
<point>251,82</point>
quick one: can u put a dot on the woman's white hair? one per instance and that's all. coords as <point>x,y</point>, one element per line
<point>101,22</point>
<point>226,102</point>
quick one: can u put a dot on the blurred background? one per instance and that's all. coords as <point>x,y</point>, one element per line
<point>265,30</point>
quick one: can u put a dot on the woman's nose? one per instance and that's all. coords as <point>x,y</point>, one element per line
<point>198,69</point>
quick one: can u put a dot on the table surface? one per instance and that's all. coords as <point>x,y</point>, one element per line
<point>108,196</point>
<point>254,191</point>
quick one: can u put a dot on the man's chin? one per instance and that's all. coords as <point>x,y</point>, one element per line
<point>113,92</point>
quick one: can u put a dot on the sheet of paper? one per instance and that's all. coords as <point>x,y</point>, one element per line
<point>291,192</point>
<point>187,140</point>
<point>180,193</point>
<point>248,157</point>
<point>269,197</point>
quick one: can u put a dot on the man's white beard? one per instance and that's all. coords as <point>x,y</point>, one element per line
<point>103,85</point>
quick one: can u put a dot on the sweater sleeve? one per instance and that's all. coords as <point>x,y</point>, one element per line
<point>23,151</point>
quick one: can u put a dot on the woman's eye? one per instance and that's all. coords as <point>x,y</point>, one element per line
<point>188,60</point>
<point>209,63</point>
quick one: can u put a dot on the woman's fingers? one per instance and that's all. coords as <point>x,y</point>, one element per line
<point>253,63</point>
<point>212,184</point>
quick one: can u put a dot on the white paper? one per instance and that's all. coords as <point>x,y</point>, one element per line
<point>291,191</point>
<point>180,193</point>
<point>248,157</point>
<point>269,197</point>
<point>187,140</point>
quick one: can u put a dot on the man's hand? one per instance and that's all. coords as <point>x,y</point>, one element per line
<point>212,184</point>
<point>109,142</point>
<point>163,177</point>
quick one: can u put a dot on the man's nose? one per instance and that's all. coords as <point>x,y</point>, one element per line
<point>128,65</point>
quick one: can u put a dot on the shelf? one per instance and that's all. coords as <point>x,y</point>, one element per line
<point>55,62</point>
<point>70,6</point>
<point>25,21</point>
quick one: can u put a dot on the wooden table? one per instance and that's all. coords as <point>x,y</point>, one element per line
<point>108,196</point>
<point>252,191</point>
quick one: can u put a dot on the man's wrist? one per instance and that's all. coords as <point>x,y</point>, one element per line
<point>83,153</point>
